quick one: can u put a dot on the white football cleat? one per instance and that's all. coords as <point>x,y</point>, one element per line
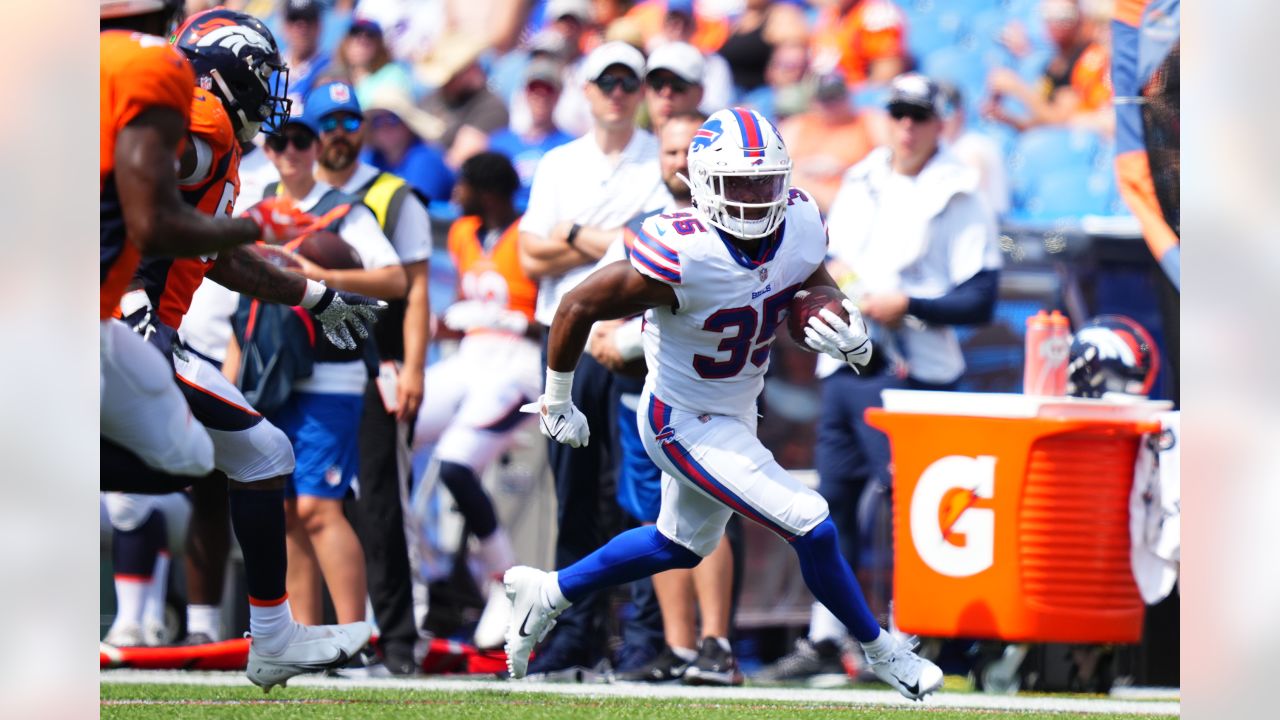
<point>531,620</point>
<point>492,628</point>
<point>312,648</point>
<point>125,635</point>
<point>906,672</point>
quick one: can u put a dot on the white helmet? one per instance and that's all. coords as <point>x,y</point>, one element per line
<point>738,163</point>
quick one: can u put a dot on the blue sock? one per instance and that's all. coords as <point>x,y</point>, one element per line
<point>832,582</point>
<point>133,552</point>
<point>634,554</point>
<point>257,516</point>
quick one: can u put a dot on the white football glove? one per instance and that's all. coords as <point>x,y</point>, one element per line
<point>562,422</point>
<point>340,312</point>
<point>847,342</point>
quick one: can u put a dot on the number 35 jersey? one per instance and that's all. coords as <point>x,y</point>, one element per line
<point>709,354</point>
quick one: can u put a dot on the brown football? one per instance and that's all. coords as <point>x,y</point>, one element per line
<point>329,251</point>
<point>276,255</point>
<point>807,303</point>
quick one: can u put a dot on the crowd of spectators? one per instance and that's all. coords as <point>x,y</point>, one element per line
<point>444,80</point>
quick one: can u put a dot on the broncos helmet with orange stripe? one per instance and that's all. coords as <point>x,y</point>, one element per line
<point>1112,354</point>
<point>739,173</point>
<point>236,58</point>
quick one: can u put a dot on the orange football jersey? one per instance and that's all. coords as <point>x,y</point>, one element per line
<point>137,72</point>
<point>495,275</point>
<point>170,282</point>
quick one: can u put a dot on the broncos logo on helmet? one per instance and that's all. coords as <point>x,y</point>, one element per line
<point>1112,353</point>
<point>236,57</point>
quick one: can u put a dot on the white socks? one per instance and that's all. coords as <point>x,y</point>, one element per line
<point>131,596</point>
<point>153,602</point>
<point>204,619</point>
<point>552,598</point>
<point>270,626</point>
<point>879,647</point>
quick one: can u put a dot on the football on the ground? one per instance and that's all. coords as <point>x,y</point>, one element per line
<point>807,303</point>
<point>329,251</point>
<point>276,255</point>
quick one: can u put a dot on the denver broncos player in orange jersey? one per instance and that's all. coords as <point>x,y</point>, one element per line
<point>238,67</point>
<point>475,395</point>
<point>145,92</point>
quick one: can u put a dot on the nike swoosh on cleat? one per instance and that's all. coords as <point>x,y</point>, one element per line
<point>524,623</point>
<point>913,689</point>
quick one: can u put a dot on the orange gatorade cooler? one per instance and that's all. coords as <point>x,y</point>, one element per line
<point>1011,515</point>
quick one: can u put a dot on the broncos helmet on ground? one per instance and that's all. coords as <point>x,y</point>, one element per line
<point>1112,353</point>
<point>738,168</point>
<point>236,57</point>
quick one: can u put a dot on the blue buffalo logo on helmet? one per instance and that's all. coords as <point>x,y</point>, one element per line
<point>707,134</point>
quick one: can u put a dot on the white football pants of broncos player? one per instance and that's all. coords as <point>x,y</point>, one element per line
<point>142,410</point>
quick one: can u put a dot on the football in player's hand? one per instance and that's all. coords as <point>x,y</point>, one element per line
<point>276,255</point>
<point>329,251</point>
<point>806,304</point>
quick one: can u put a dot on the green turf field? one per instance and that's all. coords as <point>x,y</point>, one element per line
<point>180,702</point>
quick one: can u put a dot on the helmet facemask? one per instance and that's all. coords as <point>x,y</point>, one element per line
<point>271,113</point>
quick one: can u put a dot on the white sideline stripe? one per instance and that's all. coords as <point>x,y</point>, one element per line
<point>976,701</point>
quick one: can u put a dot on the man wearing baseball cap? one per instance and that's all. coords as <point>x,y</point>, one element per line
<point>911,220</point>
<point>583,194</point>
<point>673,82</point>
<point>307,60</point>
<point>402,343</point>
<point>542,87</point>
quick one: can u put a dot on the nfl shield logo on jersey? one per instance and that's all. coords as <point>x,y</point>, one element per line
<point>764,274</point>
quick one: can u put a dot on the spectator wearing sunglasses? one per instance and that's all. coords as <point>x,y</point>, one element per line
<point>402,335</point>
<point>673,83</point>
<point>913,242</point>
<point>583,194</point>
<point>542,86</point>
<point>322,416</point>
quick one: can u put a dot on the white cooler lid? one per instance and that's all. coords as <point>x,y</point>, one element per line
<point>1017,405</point>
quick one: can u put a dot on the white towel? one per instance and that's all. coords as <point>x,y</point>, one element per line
<point>1155,511</point>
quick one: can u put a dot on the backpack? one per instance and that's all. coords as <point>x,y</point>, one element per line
<point>277,344</point>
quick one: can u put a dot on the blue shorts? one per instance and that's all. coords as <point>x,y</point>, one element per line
<point>323,429</point>
<point>639,480</point>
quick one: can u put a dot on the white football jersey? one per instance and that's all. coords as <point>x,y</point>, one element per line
<point>710,353</point>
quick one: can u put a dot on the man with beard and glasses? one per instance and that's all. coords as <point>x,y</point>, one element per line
<point>402,345</point>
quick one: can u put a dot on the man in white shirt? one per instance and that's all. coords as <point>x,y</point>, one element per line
<point>913,241</point>
<point>583,193</point>
<point>322,415</point>
<point>402,338</point>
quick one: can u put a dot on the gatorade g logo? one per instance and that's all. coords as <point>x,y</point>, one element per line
<point>952,535</point>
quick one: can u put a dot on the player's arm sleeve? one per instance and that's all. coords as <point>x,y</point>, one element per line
<point>971,302</point>
<point>653,258</point>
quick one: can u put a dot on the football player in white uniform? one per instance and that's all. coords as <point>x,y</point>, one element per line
<point>714,282</point>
